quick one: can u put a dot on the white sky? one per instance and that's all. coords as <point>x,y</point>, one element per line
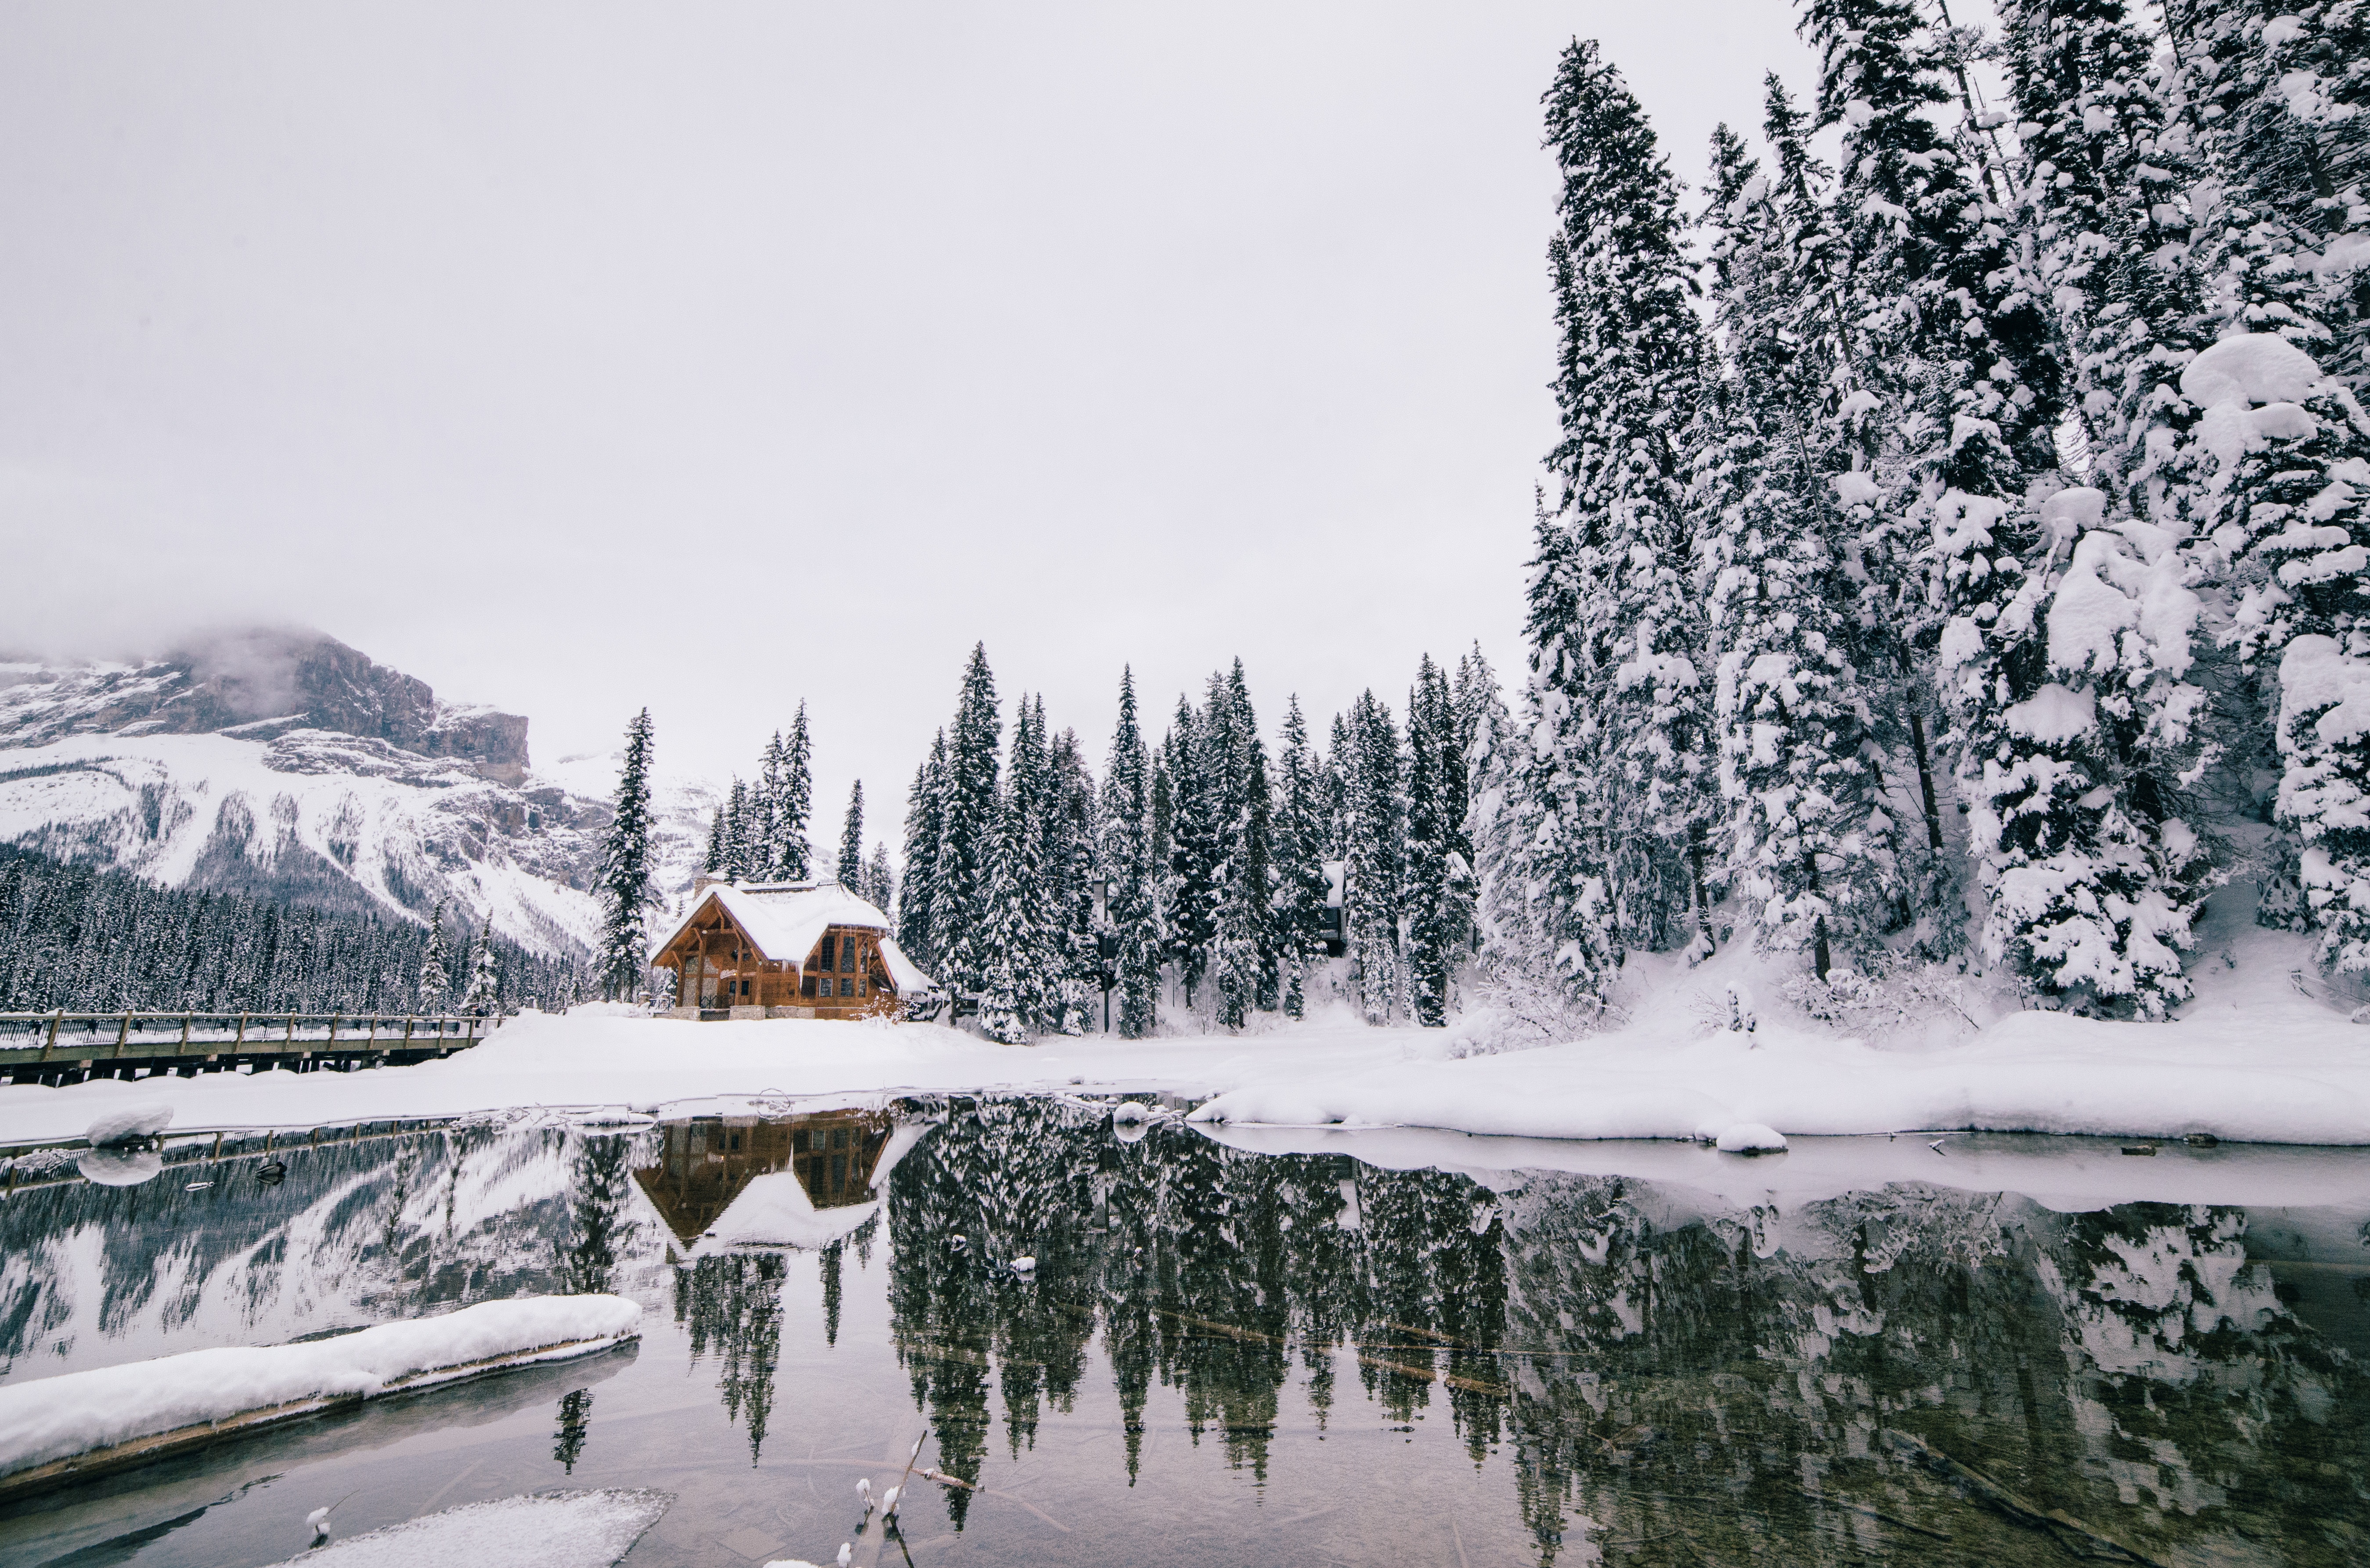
<point>578,356</point>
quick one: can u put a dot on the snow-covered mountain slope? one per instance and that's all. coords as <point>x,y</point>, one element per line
<point>291,767</point>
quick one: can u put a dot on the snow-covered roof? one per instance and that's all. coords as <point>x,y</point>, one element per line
<point>786,920</point>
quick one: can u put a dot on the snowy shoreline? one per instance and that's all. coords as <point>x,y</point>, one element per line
<point>2252,1071</point>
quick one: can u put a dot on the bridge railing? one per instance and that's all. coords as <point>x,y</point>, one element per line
<point>62,1036</point>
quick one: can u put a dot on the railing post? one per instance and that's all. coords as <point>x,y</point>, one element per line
<point>239,1043</point>
<point>123,1032</point>
<point>185,1031</point>
<point>56,1018</point>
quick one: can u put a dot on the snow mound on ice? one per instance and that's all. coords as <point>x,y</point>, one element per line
<point>2254,367</point>
<point>1751,1137</point>
<point>551,1529</point>
<point>131,1121</point>
<point>55,1418</point>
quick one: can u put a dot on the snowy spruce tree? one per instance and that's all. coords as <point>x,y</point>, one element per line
<point>1435,886</point>
<point>1299,836</point>
<point>782,853</point>
<point>925,826</point>
<point>968,819</point>
<point>1130,906</point>
<point>435,977</point>
<point>484,996</point>
<point>1012,944</point>
<point>880,880</point>
<point>2282,456</point>
<point>1243,890</point>
<point>1374,840</point>
<point>1189,884</point>
<point>1071,872</point>
<point>850,867</point>
<point>624,887</point>
<point>1617,773</point>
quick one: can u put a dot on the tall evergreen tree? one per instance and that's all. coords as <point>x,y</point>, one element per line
<point>786,853</point>
<point>1071,871</point>
<point>880,880</point>
<point>1374,833</point>
<point>850,869</point>
<point>1013,1002</point>
<point>1189,886</point>
<point>625,889</point>
<point>435,965</point>
<point>484,995</point>
<point>1300,883</point>
<point>741,841</point>
<point>1130,908</point>
<point>925,826</point>
<point>967,822</point>
<point>1435,813</point>
<point>1245,942</point>
<point>711,861</point>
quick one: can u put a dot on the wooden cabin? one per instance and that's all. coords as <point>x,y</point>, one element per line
<point>786,950</point>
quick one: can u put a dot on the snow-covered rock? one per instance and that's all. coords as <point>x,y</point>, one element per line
<point>1750,1137</point>
<point>129,1123</point>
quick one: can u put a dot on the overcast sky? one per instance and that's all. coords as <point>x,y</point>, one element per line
<point>577,356</point>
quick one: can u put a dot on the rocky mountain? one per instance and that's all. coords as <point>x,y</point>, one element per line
<point>287,765</point>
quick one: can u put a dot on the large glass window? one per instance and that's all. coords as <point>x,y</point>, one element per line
<point>848,987</point>
<point>829,945</point>
<point>848,955</point>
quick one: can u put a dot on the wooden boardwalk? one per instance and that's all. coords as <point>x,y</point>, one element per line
<point>67,1047</point>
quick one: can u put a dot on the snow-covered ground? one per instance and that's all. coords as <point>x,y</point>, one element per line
<point>2264,1052</point>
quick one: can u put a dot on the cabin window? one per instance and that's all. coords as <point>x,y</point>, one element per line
<point>806,987</point>
<point>848,955</point>
<point>744,987</point>
<point>829,945</point>
<point>848,987</point>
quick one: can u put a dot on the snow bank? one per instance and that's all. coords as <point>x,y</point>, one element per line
<point>129,1123</point>
<point>2300,1075</point>
<point>1751,1137</point>
<point>56,1418</point>
<point>552,1530</point>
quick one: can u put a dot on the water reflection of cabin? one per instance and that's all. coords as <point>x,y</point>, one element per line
<point>704,1163</point>
<point>784,950</point>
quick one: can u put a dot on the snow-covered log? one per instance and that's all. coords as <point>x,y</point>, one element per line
<point>51,1428</point>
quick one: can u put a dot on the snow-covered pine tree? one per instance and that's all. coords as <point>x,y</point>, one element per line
<point>484,995</point>
<point>1299,840</point>
<point>880,880</point>
<point>2276,94</point>
<point>766,806</point>
<point>1244,946</point>
<point>1616,713</point>
<point>2106,169</point>
<point>1130,908</point>
<point>435,965</point>
<point>966,820</point>
<point>1014,950</point>
<point>740,842</point>
<point>1810,841</point>
<point>1070,876</point>
<point>2282,456</point>
<point>850,869</point>
<point>925,826</point>
<point>1189,888</point>
<point>1435,788</point>
<point>1374,833</point>
<point>786,854</point>
<point>625,886</point>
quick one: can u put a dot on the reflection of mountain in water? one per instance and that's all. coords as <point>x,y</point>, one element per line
<point>358,1232</point>
<point>1854,1380</point>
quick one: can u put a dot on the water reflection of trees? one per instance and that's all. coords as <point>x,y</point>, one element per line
<point>1854,1379</point>
<point>732,1305</point>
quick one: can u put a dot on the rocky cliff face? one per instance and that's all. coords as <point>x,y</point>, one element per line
<point>286,765</point>
<point>261,683</point>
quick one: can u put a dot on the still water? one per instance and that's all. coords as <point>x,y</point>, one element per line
<point>1366,1348</point>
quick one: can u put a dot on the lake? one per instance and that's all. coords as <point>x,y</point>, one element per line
<point>1322,1347</point>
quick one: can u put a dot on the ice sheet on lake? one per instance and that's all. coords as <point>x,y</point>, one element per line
<point>552,1530</point>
